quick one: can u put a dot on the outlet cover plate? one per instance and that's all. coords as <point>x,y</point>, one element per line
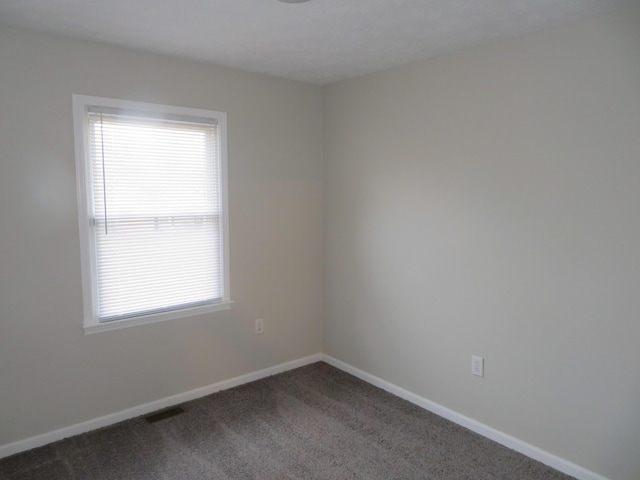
<point>477,366</point>
<point>259,325</point>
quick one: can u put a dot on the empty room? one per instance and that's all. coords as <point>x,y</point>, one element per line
<point>319,239</point>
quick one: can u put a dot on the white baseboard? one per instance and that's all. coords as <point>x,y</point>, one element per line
<point>502,438</point>
<point>78,428</point>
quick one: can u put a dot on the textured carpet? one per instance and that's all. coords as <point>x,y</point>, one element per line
<point>315,422</point>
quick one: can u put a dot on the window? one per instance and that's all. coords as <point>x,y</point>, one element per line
<point>152,211</point>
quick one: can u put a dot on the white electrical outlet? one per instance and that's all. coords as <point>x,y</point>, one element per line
<point>259,325</point>
<point>477,366</point>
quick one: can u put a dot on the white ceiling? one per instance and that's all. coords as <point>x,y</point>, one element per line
<point>319,42</point>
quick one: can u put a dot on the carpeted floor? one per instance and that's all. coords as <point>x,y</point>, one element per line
<point>315,422</point>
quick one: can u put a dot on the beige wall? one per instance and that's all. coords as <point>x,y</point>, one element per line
<point>488,202</point>
<point>51,374</point>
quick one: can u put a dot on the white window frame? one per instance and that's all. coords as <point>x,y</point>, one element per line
<point>91,321</point>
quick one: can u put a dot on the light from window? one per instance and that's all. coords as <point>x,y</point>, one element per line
<point>152,211</point>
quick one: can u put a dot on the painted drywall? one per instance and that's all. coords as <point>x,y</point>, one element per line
<point>487,202</point>
<point>52,375</point>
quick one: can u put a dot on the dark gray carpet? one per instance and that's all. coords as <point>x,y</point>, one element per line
<point>314,422</point>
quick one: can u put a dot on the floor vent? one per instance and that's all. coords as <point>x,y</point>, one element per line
<point>171,412</point>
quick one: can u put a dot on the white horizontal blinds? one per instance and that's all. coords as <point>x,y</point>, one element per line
<point>157,213</point>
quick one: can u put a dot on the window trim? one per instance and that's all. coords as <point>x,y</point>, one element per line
<point>91,322</point>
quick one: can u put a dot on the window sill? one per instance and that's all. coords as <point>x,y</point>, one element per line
<point>97,327</point>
